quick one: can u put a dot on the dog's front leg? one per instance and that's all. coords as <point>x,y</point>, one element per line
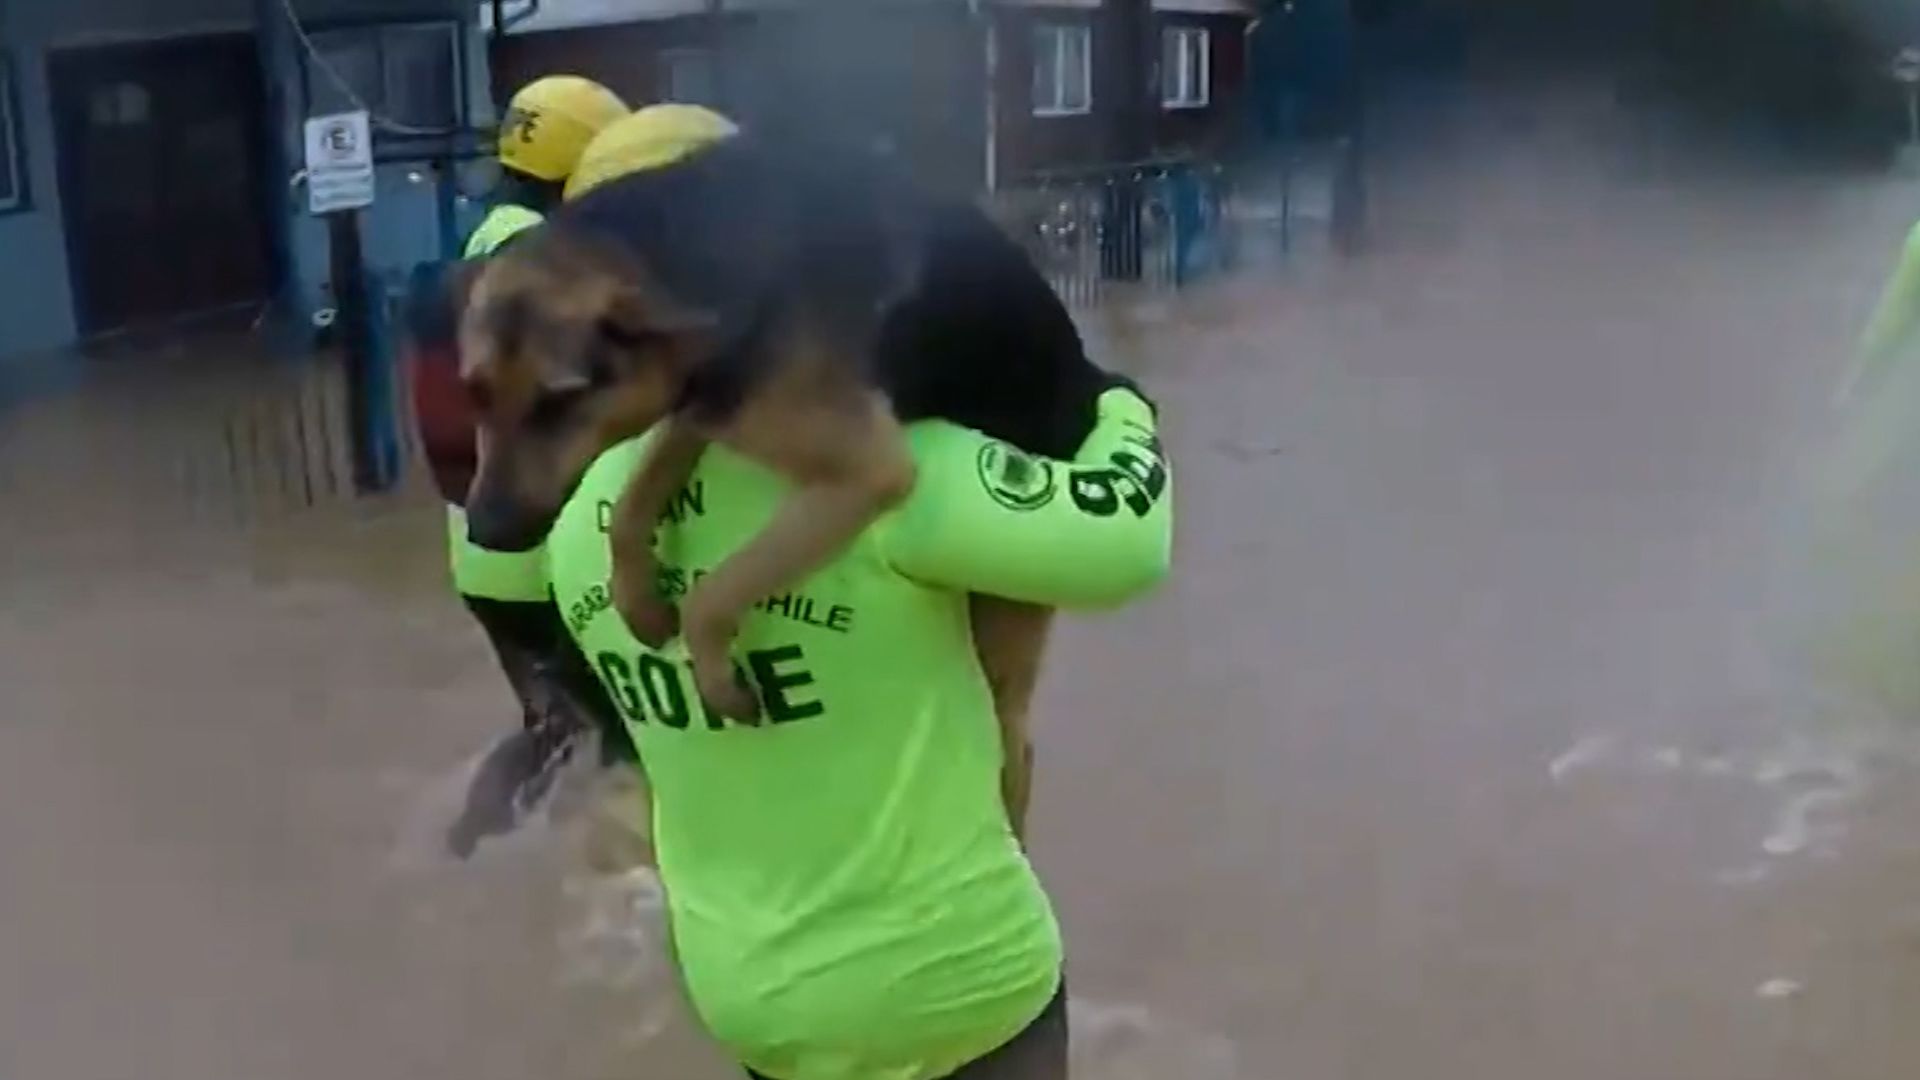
<point>848,462</point>
<point>666,468</point>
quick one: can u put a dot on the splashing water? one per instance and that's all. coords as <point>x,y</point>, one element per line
<point>1113,1041</point>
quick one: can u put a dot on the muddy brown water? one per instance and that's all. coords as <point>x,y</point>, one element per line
<point>1458,748</point>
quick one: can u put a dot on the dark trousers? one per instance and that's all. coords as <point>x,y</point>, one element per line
<point>1039,1052</point>
<point>560,703</point>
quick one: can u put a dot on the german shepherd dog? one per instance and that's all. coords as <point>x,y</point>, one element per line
<point>793,308</point>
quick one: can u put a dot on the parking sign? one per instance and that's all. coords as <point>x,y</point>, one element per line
<point>339,162</point>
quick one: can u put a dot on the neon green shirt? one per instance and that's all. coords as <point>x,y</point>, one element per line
<point>847,898</point>
<point>485,574</point>
<point>501,224</point>
<point>477,571</point>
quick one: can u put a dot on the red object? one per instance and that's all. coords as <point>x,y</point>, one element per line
<point>440,407</point>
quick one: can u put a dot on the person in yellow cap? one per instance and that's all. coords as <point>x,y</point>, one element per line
<point>546,128</point>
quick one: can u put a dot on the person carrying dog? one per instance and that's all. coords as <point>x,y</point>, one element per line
<point>847,889</point>
<point>547,126</point>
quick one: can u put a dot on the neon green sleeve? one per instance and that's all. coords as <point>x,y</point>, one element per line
<point>517,576</point>
<point>501,224</point>
<point>1891,329</point>
<point>984,517</point>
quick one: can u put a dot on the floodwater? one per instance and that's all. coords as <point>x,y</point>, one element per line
<point>1463,745</point>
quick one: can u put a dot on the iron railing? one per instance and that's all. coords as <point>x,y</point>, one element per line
<point>1157,224</point>
<point>254,435</point>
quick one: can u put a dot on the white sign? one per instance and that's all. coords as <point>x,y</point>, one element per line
<point>339,162</point>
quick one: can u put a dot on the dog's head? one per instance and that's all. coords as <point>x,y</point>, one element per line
<point>566,349</point>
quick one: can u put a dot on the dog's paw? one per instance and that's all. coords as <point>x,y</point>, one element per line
<point>725,692</point>
<point>646,613</point>
<point>654,622</point>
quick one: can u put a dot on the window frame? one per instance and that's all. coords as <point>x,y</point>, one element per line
<point>1050,40</point>
<point>13,147</point>
<point>1180,77</point>
<point>312,80</point>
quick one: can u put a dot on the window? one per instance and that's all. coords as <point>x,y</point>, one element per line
<point>686,75</point>
<point>421,71</point>
<point>1062,70</point>
<point>406,74</point>
<point>1185,71</point>
<point>126,104</point>
<point>13,162</point>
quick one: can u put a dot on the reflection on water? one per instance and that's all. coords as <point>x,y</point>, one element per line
<point>1128,1042</point>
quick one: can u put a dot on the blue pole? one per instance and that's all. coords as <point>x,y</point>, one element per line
<point>382,359</point>
<point>279,79</point>
<point>1286,174</point>
<point>447,194</point>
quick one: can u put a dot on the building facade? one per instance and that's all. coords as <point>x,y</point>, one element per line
<point>150,153</point>
<point>972,95</point>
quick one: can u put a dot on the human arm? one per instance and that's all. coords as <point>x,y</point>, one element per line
<point>1091,533</point>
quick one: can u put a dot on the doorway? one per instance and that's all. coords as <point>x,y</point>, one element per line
<point>162,154</point>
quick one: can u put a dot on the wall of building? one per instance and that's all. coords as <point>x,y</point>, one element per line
<point>1029,144</point>
<point>908,81</point>
<point>910,76</point>
<point>1206,130</point>
<point>404,225</point>
<point>36,305</point>
<point>36,310</point>
<point>1025,143</point>
<point>623,56</point>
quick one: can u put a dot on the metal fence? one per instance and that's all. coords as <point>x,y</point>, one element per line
<point>1160,225</point>
<point>284,444</point>
<point>294,435</point>
<point>258,435</point>
<point>251,434</point>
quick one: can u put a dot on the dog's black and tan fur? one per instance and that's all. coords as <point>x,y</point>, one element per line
<point>796,313</point>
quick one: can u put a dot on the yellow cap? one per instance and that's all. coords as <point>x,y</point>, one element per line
<point>647,138</point>
<point>551,121</point>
